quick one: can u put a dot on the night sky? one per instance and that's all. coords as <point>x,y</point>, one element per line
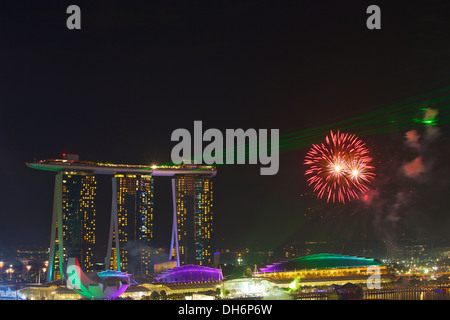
<point>137,70</point>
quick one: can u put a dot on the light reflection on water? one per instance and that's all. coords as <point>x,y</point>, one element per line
<point>413,295</point>
<point>401,295</point>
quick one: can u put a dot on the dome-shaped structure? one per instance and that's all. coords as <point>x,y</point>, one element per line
<point>321,261</point>
<point>190,273</point>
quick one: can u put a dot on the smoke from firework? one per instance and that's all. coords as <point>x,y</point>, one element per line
<point>405,181</point>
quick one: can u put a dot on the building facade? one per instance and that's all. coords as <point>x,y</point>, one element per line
<point>325,269</point>
<point>135,204</point>
<point>73,224</point>
<point>194,219</point>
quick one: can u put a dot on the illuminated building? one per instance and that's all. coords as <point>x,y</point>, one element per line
<point>73,222</point>
<point>55,291</point>
<point>108,284</point>
<point>192,220</point>
<point>247,287</point>
<point>190,273</point>
<point>134,196</point>
<point>324,269</point>
<point>163,266</point>
<point>131,213</point>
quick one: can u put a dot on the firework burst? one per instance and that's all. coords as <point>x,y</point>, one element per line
<point>339,169</point>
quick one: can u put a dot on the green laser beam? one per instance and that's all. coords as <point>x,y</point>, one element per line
<point>393,117</point>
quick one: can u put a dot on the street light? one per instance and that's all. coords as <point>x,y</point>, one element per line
<point>43,270</point>
<point>2,263</point>
<point>10,271</point>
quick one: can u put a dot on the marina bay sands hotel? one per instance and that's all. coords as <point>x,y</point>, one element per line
<point>132,218</point>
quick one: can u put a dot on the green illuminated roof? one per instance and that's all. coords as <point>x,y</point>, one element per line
<point>321,261</point>
<point>330,260</point>
<point>43,167</point>
<point>56,165</point>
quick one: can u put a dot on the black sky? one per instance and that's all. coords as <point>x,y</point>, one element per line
<point>137,70</point>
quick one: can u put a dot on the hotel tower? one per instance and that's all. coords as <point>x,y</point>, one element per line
<point>73,222</point>
<point>134,203</point>
<point>131,226</point>
<point>193,220</point>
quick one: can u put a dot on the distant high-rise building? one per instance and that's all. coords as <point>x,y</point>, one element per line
<point>134,205</point>
<point>73,221</point>
<point>193,225</point>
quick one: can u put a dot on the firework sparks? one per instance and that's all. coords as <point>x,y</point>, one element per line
<point>339,169</point>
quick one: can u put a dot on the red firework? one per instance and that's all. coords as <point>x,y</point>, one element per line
<point>339,168</point>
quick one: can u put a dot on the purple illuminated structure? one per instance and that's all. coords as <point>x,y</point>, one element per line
<point>276,267</point>
<point>190,273</point>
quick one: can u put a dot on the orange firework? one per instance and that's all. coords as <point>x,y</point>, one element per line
<point>339,169</point>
